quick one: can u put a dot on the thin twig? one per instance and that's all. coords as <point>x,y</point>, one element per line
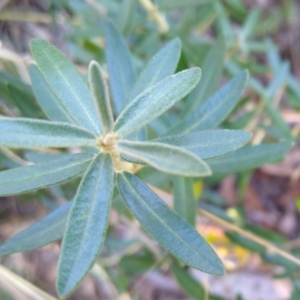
<point>155,15</point>
<point>25,287</point>
<point>12,156</point>
<point>139,234</point>
<point>144,277</point>
<point>22,16</point>
<point>97,6</point>
<point>115,258</point>
<point>103,279</point>
<point>269,246</point>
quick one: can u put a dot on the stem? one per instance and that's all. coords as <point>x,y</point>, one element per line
<point>155,16</point>
<point>250,236</point>
<point>11,155</point>
<point>25,287</point>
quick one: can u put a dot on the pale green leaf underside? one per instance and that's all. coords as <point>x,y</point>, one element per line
<point>212,70</point>
<point>210,143</point>
<point>86,225</point>
<point>34,133</point>
<point>120,66</point>
<point>249,157</point>
<point>69,86</point>
<point>160,66</point>
<point>156,100</point>
<point>215,110</point>
<point>45,231</point>
<point>25,179</point>
<point>167,228</point>
<point>47,99</point>
<point>100,95</point>
<point>166,158</point>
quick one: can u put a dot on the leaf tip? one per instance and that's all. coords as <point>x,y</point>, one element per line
<point>196,72</point>
<point>176,42</point>
<point>63,290</point>
<point>246,75</point>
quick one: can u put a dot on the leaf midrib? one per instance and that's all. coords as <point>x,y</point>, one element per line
<point>47,173</point>
<point>158,101</point>
<point>88,141</point>
<point>161,220</point>
<point>206,115</point>
<point>86,223</point>
<point>72,92</point>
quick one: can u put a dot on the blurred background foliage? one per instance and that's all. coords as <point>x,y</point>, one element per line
<point>248,211</point>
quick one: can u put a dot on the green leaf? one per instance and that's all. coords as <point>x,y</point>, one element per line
<point>192,287</point>
<point>215,110</point>
<point>223,23</point>
<point>120,66</point>
<point>212,70</point>
<point>172,4</point>
<point>33,133</point>
<point>160,66</point>
<point>244,242</point>
<point>279,80</point>
<point>166,158</point>
<point>100,94</point>
<point>86,225</point>
<point>45,231</point>
<point>156,100</point>
<point>46,97</point>
<point>9,79</point>
<point>24,100</point>
<point>66,82</point>
<point>136,264</point>
<point>249,157</point>
<point>282,128</point>
<point>126,16</point>
<point>29,178</point>
<point>184,200</point>
<point>187,282</point>
<point>210,143</point>
<point>166,227</point>
<point>249,25</point>
<point>38,157</point>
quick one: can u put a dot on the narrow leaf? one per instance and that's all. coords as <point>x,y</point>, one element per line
<point>33,133</point>
<point>279,80</point>
<point>24,100</point>
<point>212,71</point>
<point>249,157</point>
<point>39,157</point>
<point>9,79</point>
<point>100,94</point>
<point>166,158</point>
<point>250,24</point>
<point>172,4</point>
<point>25,179</point>
<point>187,282</point>
<point>67,83</point>
<point>210,143</point>
<point>156,100</point>
<point>126,16</point>
<point>184,200</point>
<point>45,231</point>
<point>160,66</point>
<point>120,66</point>
<point>86,225</point>
<point>46,98</point>
<point>166,227</point>
<point>215,110</point>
